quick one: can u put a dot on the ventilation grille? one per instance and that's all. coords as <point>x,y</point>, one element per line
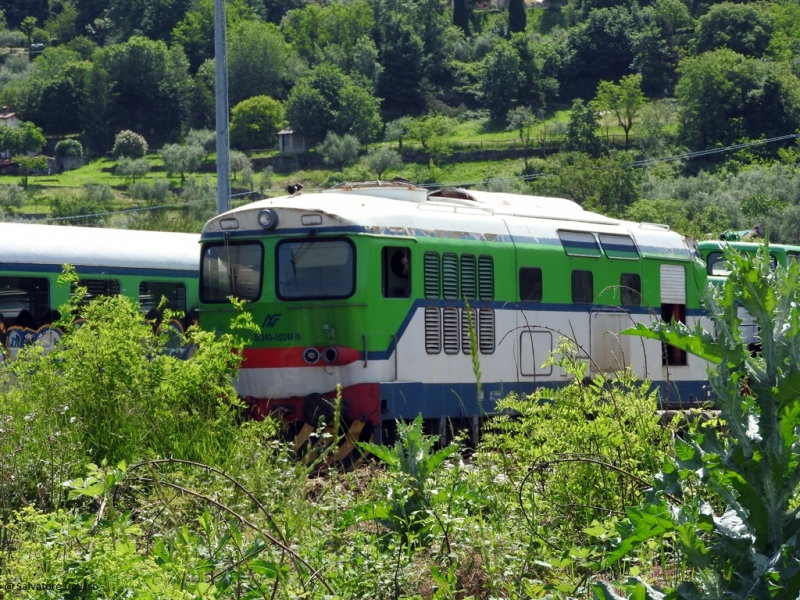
<point>450,276</point>
<point>486,330</point>
<point>433,330</point>
<point>486,278</point>
<point>451,331</point>
<point>469,277</point>
<point>432,276</point>
<point>466,347</point>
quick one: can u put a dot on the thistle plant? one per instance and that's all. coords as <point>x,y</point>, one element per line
<point>729,495</point>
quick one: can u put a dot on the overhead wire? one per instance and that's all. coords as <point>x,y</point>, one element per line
<point>526,177</point>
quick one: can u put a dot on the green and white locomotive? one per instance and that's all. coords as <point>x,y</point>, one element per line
<point>376,287</point>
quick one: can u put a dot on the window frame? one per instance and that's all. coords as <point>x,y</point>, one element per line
<point>323,240</point>
<point>206,246</point>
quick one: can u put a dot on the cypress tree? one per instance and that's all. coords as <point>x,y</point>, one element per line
<point>461,15</point>
<point>516,16</point>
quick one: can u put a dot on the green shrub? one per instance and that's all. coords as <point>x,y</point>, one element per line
<point>69,147</point>
<point>129,144</point>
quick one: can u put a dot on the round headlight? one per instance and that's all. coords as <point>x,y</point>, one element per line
<point>268,218</point>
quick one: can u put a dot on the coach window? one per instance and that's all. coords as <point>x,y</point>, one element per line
<point>530,284</point>
<point>151,293</point>
<point>96,288</point>
<point>717,265</point>
<point>579,243</point>
<point>620,247</point>
<point>396,272</point>
<point>23,297</point>
<point>231,269</point>
<point>582,287</point>
<point>630,289</point>
<point>316,269</point>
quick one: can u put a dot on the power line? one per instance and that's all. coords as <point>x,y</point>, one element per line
<point>528,177</point>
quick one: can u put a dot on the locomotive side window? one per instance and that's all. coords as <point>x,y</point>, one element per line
<point>316,269</point>
<point>396,272</point>
<point>579,243</point>
<point>530,284</point>
<point>619,246</point>
<point>22,298</point>
<point>582,287</point>
<point>630,289</point>
<point>95,288</point>
<point>151,292</point>
<point>717,265</point>
<point>231,269</point>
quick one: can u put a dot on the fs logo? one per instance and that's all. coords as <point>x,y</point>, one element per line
<point>271,320</point>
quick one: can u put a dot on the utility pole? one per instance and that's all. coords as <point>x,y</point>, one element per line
<point>221,99</point>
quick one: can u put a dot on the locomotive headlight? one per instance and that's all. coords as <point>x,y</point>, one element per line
<point>268,218</point>
<point>311,355</point>
<point>330,355</point>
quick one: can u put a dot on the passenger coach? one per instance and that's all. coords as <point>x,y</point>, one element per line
<point>373,286</point>
<point>143,265</point>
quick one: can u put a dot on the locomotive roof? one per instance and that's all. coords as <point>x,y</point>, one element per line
<point>27,244</point>
<point>408,210</point>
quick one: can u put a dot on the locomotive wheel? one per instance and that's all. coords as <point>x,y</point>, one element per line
<point>316,407</point>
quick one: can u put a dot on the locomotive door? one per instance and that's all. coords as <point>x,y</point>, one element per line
<point>535,338</point>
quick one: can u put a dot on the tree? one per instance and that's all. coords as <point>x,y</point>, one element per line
<point>582,129</point>
<point>182,159</point>
<point>154,19</point>
<point>340,151</point>
<point>500,80</point>
<point>402,57</point>
<point>151,86</point>
<point>743,28</point>
<point>195,32</point>
<point>432,132</point>
<point>521,119</point>
<point>129,144</point>
<point>69,147</point>
<point>725,97</point>
<point>62,26</point>
<point>202,109</point>
<point>255,123</point>
<point>308,111</point>
<point>607,185</point>
<point>461,15</point>
<point>260,62</point>
<point>358,114</point>
<point>132,167</point>
<point>29,164</point>
<point>624,100</point>
<point>516,16</point>
<point>239,162</point>
<point>27,27</point>
<point>396,130</point>
<point>602,49</point>
<point>205,138</point>
<point>95,111</point>
<point>381,159</point>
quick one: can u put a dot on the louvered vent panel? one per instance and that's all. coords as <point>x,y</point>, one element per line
<point>432,276</point>
<point>469,277</point>
<point>486,278</point>
<point>433,330</point>
<point>450,276</point>
<point>486,330</point>
<point>451,332</point>
<point>465,345</point>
